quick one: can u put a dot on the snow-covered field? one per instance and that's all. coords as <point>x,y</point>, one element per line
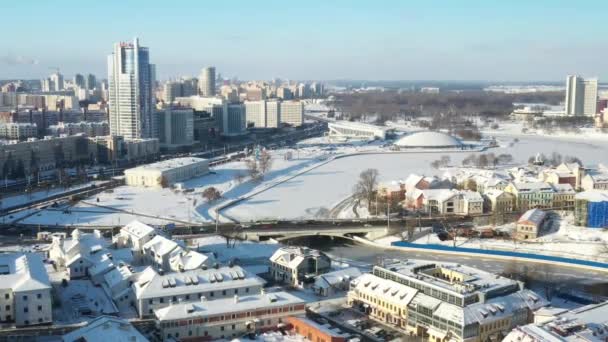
<point>321,189</point>
<point>162,206</point>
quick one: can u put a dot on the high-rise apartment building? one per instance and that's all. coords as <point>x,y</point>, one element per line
<point>292,113</point>
<point>206,83</point>
<point>91,82</point>
<point>131,96</point>
<point>79,81</point>
<point>57,81</point>
<point>581,96</point>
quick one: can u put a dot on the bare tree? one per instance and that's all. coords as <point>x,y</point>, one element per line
<point>366,186</point>
<point>211,194</point>
<point>265,162</point>
<point>253,169</point>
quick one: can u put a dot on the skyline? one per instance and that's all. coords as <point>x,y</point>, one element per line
<point>433,40</point>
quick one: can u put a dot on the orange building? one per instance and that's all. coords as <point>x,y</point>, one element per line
<point>315,332</point>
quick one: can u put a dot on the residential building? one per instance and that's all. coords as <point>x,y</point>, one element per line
<point>584,324</point>
<point>56,82</point>
<point>105,328</point>
<point>530,224</point>
<point>392,192</point>
<point>331,283</point>
<point>25,290</point>
<point>166,172</point>
<point>206,82</point>
<point>255,113</point>
<point>499,201</point>
<point>292,113</point>
<point>452,202</point>
<point>131,94</point>
<point>295,265</point>
<point>531,195</point>
<point>156,291</point>
<point>91,129</point>
<point>581,96</point>
<point>444,301</point>
<point>176,127</point>
<point>314,331</point>
<point>134,236</point>
<point>228,317</point>
<point>18,131</point>
<point>181,260</point>
<point>273,114</point>
<point>595,180</point>
<point>563,198</point>
<point>159,250</point>
<point>591,209</point>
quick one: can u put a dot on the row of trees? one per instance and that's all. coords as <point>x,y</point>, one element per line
<point>486,160</point>
<point>554,159</point>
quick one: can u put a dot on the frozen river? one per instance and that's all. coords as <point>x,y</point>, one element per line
<point>324,187</point>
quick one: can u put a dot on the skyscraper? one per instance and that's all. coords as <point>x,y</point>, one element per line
<point>131,95</point>
<point>91,82</point>
<point>206,82</point>
<point>581,96</point>
<point>79,81</point>
<point>57,81</point>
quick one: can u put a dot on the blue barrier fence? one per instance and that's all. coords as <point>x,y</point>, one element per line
<point>500,253</point>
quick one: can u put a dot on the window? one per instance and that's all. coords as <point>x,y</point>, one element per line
<point>162,300</point>
<point>223,292</point>
<point>26,322</point>
<point>151,301</point>
<point>187,297</point>
<point>233,326</point>
<point>211,294</point>
<point>39,307</point>
<point>246,290</point>
<point>7,308</point>
<point>7,296</point>
<point>174,298</point>
<point>39,320</point>
<point>222,328</point>
<point>26,309</point>
<point>24,297</point>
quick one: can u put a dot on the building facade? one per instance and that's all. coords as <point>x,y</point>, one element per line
<point>206,82</point>
<point>167,172</point>
<point>581,96</point>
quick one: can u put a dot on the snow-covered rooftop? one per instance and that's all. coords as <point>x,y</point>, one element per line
<point>534,216</point>
<point>227,305</point>
<point>428,139</point>
<point>23,272</point>
<point>593,196</point>
<point>103,329</point>
<point>170,164</point>
<point>292,256</point>
<point>137,229</point>
<point>151,284</point>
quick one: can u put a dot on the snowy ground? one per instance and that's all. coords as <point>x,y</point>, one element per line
<point>315,193</point>
<point>11,201</point>
<point>162,206</point>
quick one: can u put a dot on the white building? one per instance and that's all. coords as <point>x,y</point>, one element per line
<point>134,236</point>
<point>581,96</point>
<point>158,251</point>
<point>359,130</point>
<point>206,82</point>
<point>255,113</point>
<point>155,291</point>
<point>131,93</point>
<point>292,265</point>
<point>167,172</point>
<point>104,329</point>
<point>18,131</point>
<point>335,282</point>
<point>25,290</point>
<point>292,113</point>
<point>228,317</point>
<point>91,129</point>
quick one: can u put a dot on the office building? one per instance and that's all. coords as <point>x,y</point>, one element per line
<point>90,82</point>
<point>444,301</point>
<point>206,82</point>
<point>166,172</point>
<point>56,82</point>
<point>176,127</point>
<point>581,96</point>
<point>292,113</point>
<point>236,122</point>
<point>25,290</point>
<point>255,113</point>
<point>131,99</point>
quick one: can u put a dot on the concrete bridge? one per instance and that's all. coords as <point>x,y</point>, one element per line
<point>279,234</point>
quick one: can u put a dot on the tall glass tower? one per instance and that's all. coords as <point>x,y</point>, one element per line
<point>131,93</point>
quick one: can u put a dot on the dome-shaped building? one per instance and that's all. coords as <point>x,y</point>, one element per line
<point>428,139</point>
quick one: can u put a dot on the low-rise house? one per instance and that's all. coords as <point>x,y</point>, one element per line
<point>393,192</point>
<point>62,249</point>
<point>227,318</point>
<point>591,209</point>
<point>499,201</point>
<point>414,181</point>
<point>595,180</point>
<point>563,198</point>
<point>585,324</point>
<point>159,250</point>
<point>25,290</point>
<point>105,328</point>
<point>529,224</point>
<point>556,176</point>
<point>134,235</point>
<point>294,265</point>
<point>154,291</point>
<point>452,202</point>
<point>117,284</point>
<point>576,169</point>
<point>531,195</point>
<point>335,282</point>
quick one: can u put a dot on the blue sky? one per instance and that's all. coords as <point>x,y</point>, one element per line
<point>515,40</point>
